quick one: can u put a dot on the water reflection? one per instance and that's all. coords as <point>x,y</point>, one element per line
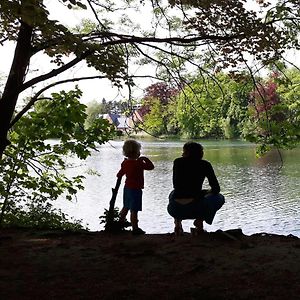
<point>262,195</point>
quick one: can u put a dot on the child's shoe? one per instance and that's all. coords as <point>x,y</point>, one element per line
<point>138,231</point>
<point>124,224</point>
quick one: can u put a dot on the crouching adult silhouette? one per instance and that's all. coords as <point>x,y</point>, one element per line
<point>188,200</point>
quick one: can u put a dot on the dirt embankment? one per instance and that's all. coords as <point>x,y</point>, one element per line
<point>98,265</point>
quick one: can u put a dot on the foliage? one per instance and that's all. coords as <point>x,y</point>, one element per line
<point>161,91</point>
<point>157,108</point>
<point>275,112</point>
<point>235,114</point>
<point>213,107</point>
<point>33,166</point>
<point>93,110</point>
<point>185,36</point>
<point>154,119</point>
<point>264,97</point>
<point>116,107</point>
<point>267,34</point>
<point>227,106</point>
<point>41,216</point>
<point>116,214</point>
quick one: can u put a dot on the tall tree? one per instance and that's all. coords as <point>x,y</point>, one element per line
<point>155,108</point>
<point>33,170</point>
<point>184,35</point>
<point>275,112</point>
<point>214,107</point>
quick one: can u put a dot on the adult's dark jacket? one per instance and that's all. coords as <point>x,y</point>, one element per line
<point>189,175</point>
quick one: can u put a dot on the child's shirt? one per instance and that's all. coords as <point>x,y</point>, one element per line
<point>134,171</point>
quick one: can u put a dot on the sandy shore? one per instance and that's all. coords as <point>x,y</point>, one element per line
<point>98,265</point>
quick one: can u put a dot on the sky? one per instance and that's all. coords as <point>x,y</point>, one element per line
<point>92,89</point>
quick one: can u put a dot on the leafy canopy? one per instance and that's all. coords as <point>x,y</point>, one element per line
<point>42,146</point>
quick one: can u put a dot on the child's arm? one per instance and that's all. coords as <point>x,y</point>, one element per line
<point>147,163</point>
<point>122,169</point>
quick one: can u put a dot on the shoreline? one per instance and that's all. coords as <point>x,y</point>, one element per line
<point>51,264</point>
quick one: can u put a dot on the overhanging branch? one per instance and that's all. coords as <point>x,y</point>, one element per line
<point>55,72</point>
<point>179,41</point>
<point>36,96</point>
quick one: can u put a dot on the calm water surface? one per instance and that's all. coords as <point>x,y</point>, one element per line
<point>261,194</point>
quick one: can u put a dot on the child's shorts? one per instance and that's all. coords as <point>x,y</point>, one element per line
<point>132,199</point>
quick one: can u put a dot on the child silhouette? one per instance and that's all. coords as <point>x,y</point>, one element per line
<point>133,168</point>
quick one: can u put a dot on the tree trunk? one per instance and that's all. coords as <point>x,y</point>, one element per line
<point>14,82</point>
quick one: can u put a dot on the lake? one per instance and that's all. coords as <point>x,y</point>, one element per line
<point>262,194</point>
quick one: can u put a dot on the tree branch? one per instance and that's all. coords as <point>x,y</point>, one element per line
<point>55,72</point>
<point>35,97</point>
<point>123,38</point>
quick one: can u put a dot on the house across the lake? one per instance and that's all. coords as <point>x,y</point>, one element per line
<point>123,123</point>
